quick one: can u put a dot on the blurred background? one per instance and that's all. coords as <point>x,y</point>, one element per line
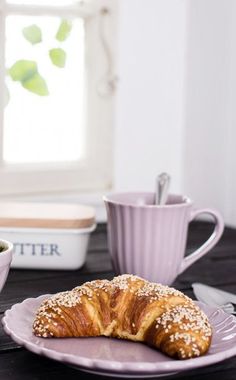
<point>103,95</point>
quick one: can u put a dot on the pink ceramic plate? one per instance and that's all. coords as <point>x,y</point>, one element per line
<point>113,357</point>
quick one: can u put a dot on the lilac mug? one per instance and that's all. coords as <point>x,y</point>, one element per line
<point>150,240</point>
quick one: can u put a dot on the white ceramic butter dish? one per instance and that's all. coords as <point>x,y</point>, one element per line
<point>47,235</point>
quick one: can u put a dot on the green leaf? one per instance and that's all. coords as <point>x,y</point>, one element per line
<point>32,34</point>
<point>64,30</point>
<point>22,70</point>
<point>36,84</point>
<point>58,57</point>
<point>26,72</point>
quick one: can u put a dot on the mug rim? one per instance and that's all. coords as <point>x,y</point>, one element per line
<point>9,248</point>
<point>185,203</point>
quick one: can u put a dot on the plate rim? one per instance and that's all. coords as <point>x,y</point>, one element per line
<point>106,365</point>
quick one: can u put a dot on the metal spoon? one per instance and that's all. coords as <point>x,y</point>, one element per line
<point>162,187</point>
<point>229,308</point>
<point>215,297</point>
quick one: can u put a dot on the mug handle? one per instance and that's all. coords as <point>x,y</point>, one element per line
<point>211,241</point>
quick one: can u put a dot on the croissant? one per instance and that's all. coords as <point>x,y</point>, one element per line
<point>127,307</point>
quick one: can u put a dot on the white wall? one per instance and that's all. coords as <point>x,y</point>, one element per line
<point>230,169</point>
<point>206,145</point>
<point>149,114</point>
<point>175,105</point>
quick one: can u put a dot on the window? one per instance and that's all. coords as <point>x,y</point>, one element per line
<point>57,84</point>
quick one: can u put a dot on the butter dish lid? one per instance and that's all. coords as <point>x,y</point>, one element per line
<point>46,215</point>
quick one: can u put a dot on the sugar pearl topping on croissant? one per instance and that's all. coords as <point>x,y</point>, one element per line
<point>127,307</point>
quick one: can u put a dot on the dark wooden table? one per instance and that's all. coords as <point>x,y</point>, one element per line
<point>218,268</point>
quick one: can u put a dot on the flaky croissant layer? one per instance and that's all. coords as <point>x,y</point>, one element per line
<point>127,307</point>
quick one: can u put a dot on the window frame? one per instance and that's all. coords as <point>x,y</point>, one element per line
<point>94,171</point>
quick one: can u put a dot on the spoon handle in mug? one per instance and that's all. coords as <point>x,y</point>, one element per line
<point>162,187</point>
<point>209,243</point>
